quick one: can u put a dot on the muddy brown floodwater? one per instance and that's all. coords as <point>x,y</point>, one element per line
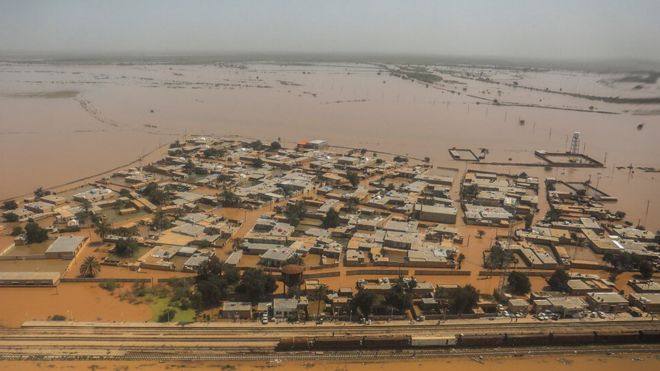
<point>66,121</point>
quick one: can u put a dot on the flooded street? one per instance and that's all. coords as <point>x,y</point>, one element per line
<point>63,122</point>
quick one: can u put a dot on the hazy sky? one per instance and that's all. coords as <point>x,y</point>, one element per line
<point>558,29</point>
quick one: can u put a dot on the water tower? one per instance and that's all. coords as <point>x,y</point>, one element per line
<point>575,143</point>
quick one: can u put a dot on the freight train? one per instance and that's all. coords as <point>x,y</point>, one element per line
<point>371,342</point>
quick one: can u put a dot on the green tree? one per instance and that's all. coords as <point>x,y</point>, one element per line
<point>352,204</point>
<point>470,191</point>
<point>646,269</point>
<point>258,163</point>
<point>167,315</point>
<point>498,257</point>
<point>257,145</point>
<point>90,267</point>
<point>353,178</point>
<point>125,247</point>
<point>9,205</point>
<point>156,194</point>
<point>102,228</point>
<point>34,233</point>
<point>212,291</point>
<point>400,296</point>
<point>519,283</point>
<point>464,299</point>
<point>331,219</point>
<point>460,260</point>
<point>320,296</point>
<point>17,231</point>
<point>296,260</point>
<point>11,217</point>
<point>213,281</point>
<point>275,146</point>
<point>294,211</point>
<point>214,152</point>
<point>364,302</point>
<point>160,221</point>
<point>230,199</point>
<point>256,286</point>
<point>559,280</point>
<point>40,192</point>
<point>552,215</point>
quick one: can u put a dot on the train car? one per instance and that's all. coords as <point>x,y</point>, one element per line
<point>386,342</point>
<point>527,339</point>
<point>649,336</point>
<point>617,337</point>
<point>570,338</point>
<point>494,340</point>
<point>295,343</point>
<point>337,342</point>
<point>433,341</point>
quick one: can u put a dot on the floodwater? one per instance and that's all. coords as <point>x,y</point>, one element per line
<point>63,122</point>
<point>541,363</point>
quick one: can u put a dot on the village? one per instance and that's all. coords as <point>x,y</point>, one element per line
<point>234,230</point>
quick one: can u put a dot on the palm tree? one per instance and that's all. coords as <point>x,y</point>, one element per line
<point>90,267</point>
<point>102,228</point>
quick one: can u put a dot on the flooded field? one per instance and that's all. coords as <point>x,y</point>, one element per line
<point>77,301</point>
<point>62,122</point>
<point>541,363</point>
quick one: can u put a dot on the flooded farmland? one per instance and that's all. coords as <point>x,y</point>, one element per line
<point>61,122</point>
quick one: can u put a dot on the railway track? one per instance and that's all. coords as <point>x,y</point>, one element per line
<point>362,355</point>
<point>242,331</point>
<point>198,342</point>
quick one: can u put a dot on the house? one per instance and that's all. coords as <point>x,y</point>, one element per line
<point>355,258</point>
<point>234,258</point>
<point>65,247</point>
<point>286,308</point>
<point>317,144</point>
<point>262,308</point>
<point>645,286</point>
<point>53,199</point>
<point>541,305</point>
<point>648,302</point>
<point>194,262</point>
<point>21,214</point>
<point>236,310</point>
<point>567,306</point>
<point>277,257</point>
<point>435,213</point>
<point>94,195</point>
<point>583,286</point>
<point>608,302</point>
<point>428,304</point>
<point>340,304</point>
<point>29,278</point>
<point>518,305</point>
<point>39,207</point>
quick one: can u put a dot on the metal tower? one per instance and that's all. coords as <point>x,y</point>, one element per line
<point>575,143</point>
